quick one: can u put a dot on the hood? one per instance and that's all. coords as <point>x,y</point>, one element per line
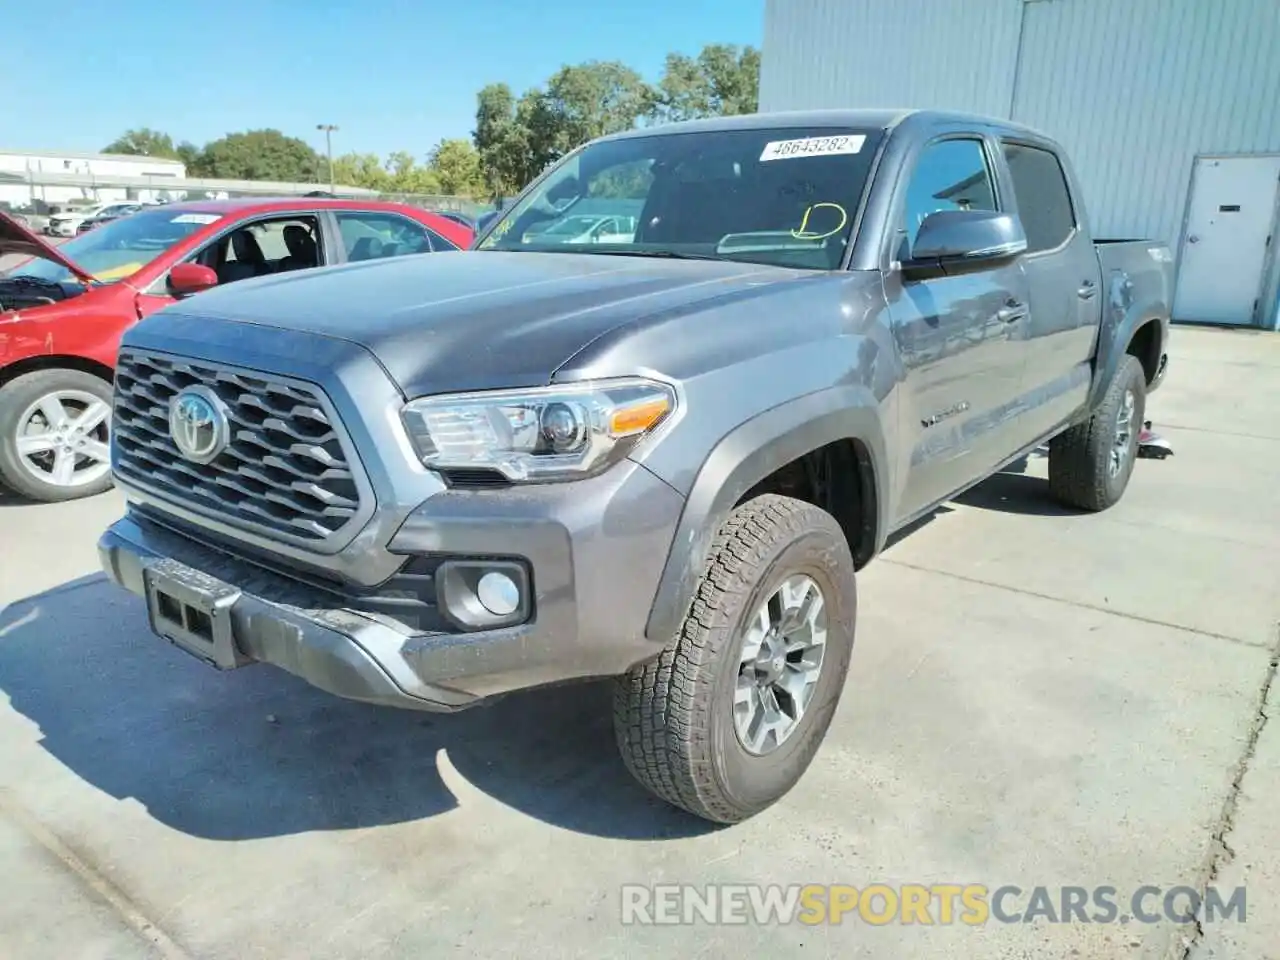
<point>15,239</point>
<point>477,320</point>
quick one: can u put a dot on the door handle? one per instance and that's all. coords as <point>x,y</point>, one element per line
<point>1012,312</point>
<point>1087,290</point>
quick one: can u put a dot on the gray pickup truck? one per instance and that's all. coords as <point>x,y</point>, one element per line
<point>658,457</point>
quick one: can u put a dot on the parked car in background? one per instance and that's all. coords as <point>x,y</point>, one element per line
<point>585,229</point>
<point>67,223</point>
<point>483,221</point>
<point>63,312</point>
<point>64,221</point>
<point>458,217</point>
<point>661,459</point>
<point>114,212</point>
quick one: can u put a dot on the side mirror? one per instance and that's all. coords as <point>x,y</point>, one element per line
<point>969,239</point>
<point>189,278</point>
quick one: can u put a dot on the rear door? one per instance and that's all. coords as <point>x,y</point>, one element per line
<point>960,337</point>
<point>379,234</point>
<point>1065,283</point>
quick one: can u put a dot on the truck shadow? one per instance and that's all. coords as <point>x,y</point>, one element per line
<point>1015,490</point>
<point>257,753</point>
<point>1012,490</point>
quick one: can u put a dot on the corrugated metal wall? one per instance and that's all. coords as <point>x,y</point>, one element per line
<point>946,54</point>
<point>1134,89</point>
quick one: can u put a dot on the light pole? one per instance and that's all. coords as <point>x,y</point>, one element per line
<point>328,129</point>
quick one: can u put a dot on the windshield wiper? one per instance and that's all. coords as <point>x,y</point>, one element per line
<point>22,280</point>
<point>661,254</point>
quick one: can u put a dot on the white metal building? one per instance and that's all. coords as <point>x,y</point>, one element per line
<point>24,176</point>
<point>1170,110</point>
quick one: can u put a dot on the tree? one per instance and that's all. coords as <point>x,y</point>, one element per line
<point>143,142</point>
<point>456,166</point>
<point>517,139</point>
<point>262,155</point>
<point>192,158</point>
<point>722,81</point>
<point>591,100</point>
<point>361,170</point>
<point>502,143</point>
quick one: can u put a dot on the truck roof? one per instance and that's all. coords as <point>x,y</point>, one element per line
<point>880,119</point>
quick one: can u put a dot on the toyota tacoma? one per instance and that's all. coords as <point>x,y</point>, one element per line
<point>659,457</point>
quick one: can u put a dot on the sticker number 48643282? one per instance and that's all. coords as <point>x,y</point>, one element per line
<point>812,147</point>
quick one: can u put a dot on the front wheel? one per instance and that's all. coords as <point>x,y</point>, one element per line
<point>728,718</point>
<point>54,435</point>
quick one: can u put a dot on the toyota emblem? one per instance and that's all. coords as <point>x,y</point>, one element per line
<point>198,424</point>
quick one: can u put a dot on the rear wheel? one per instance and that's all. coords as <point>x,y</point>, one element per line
<point>1090,464</point>
<point>728,718</point>
<point>54,428</point>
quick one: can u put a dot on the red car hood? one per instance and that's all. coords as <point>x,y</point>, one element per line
<point>17,239</point>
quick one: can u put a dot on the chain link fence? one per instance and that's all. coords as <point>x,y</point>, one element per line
<point>441,202</point>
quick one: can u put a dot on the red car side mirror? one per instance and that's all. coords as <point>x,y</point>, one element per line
<point>188,278</point>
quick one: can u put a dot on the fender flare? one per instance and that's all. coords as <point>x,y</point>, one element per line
<point>1122,319</point>
<point>744,457</point>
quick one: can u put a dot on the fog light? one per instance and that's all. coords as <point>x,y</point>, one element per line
<point>483,594</point>
<point>498,593</point>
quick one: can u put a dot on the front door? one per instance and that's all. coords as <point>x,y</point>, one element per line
<point>251,249</point>
<point>1229,233</point>
<point>1062,271</point>
<point>961,339</point>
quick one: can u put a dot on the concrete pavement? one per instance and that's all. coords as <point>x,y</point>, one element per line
<point>1036,698</point>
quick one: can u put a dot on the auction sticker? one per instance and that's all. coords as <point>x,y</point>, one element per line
<point>813,147</point>
<point>197,218</point>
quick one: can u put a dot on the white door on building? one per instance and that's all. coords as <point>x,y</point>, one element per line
<point>1225,249</point>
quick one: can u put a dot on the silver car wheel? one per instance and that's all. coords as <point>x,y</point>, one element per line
<point>1122,445</point>
<point>62,438</point>
<point>781,660</point>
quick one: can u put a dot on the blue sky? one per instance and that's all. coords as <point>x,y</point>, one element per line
<point>392,74</point>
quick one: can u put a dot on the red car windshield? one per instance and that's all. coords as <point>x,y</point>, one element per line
<point>121,247</point>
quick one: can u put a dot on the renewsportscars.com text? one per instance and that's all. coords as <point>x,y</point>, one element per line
<point>879,904</point>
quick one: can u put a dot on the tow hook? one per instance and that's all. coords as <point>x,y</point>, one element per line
<point>1152,446</point>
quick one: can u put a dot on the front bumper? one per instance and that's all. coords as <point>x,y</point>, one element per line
<point>594,550</point>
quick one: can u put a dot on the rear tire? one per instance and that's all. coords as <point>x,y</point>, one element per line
<point>1091,463</point>
<point>684,722</point>
<point>50,461</point>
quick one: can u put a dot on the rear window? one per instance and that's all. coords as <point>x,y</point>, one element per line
<point>1044,200</point>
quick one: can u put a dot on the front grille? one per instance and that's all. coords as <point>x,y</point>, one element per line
<point>284,470</point>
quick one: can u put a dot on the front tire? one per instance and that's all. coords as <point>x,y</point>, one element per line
<point>728,718</point>
<point>54,427</point>
<point>1090,463</point>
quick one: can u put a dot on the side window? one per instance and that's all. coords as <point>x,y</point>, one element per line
<point>949,175</point>
<point>1044,200</point>
<point>264,246</point>
<point>374,236</point>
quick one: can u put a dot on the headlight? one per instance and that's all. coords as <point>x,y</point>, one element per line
<point>545,433</point>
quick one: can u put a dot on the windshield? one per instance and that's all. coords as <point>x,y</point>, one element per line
<point>778,196</point>
<point>120,247</point>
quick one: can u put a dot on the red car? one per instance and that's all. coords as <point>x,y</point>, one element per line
<point>62,313</point>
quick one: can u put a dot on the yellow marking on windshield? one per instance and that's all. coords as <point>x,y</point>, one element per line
<point>499,232</point>
<point>115,273</point>
<point>804,234</point>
